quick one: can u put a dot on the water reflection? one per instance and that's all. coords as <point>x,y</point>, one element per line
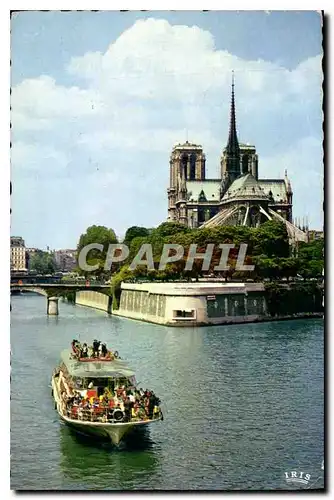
<point>241,401</point>
<point>103,466</point>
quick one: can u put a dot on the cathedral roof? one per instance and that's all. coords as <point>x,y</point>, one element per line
<point>276,186</point>
<point>187,146</point>
<point>245,187</point>
<point>209,187</point>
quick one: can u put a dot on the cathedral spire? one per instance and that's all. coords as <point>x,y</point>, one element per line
<point>232,147</point>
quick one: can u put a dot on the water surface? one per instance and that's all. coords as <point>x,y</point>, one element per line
<point>243,404</point>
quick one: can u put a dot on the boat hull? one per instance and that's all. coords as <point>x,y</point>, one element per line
<point>113,432</point>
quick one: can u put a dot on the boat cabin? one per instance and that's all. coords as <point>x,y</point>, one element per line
<point>92,378</point>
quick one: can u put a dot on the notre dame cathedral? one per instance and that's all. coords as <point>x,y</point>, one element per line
<point>238,197</point>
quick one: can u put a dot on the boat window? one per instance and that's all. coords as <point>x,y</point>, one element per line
<point>97,382</point>
<point>78,383</point>
<point>123,381</point>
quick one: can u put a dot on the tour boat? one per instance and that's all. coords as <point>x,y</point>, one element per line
<point>80,389</point>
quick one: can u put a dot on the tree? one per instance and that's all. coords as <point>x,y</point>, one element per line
<point>266,267</point>
<point>134,232</point>
<point>96,235</point>
<point>270,239</point>
<point>288,267</point>
<point>42,262</point>
<point>170,228</point>
<point>123,274</point>
<point>311,258</point>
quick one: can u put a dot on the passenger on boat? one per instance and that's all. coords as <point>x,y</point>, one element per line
<point>104,350</point>
<point>96,345</point>
<point>100,350</point>
<point>94,408</point>
<point>74,345</point>
<point>84,351</point>
<point>127,409</point>
<point>107,393</point>
<point>131,397</point>
<point>150,406</point>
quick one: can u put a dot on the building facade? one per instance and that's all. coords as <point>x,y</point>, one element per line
<point>237,197</point>
<point>65,260</point>
<point>18,254</point>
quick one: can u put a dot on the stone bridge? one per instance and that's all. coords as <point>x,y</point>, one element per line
<point>60,288</point>
<point>99,294</point>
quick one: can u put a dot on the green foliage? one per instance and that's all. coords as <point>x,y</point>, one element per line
<point>270,239</point>
<point>288,267</point>
<point>275,267</point>
<point>135,232</point>
<point>100,235</point>
<point>311,259</point>
<point>42,262</point>
<point>68,278</point>
<point>268,249</point>
<point>69,296</point>
<point>97,234</point>
<point>135,246</point>
<point>123,274</point>
<point>169,228</point>
<point>314,250</point>
<point>294,298</point>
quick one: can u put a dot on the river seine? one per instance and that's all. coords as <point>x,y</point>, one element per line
<point>243,404</point>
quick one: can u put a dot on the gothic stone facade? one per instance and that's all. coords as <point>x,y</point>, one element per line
<point>237,197</point>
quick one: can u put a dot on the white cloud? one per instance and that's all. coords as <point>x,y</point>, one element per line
<point>43,98</point>
<point>304,162</point>
<point>42,159</point>
<point>154,86</point>
<point>155,64</point>
<point>154,59</point>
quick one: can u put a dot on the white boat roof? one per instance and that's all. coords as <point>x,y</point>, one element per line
<point>95,369</point>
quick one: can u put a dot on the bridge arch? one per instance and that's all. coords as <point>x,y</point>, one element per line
<point>39,290</point>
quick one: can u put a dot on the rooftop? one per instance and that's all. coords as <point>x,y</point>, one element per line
<point>193,288</point>
<point>95,369</point>
<point>202,190</point>
<point>245,187</point>
<point>187,145</point>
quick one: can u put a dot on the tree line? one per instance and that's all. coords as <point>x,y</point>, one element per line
<point>268,250</point>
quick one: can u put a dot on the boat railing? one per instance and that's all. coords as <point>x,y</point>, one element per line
<point>106,415</point>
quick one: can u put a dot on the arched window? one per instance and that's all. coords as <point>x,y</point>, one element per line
<point>245,160</point>
<point>184,161</point>
<point>193,167</point>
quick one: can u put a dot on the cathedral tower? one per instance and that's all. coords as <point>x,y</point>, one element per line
<point>187,163</point>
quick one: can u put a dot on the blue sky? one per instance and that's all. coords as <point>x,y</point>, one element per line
<point>99,100</point>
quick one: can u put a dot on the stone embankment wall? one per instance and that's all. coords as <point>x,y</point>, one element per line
<point>193,304</point>
<point>93,299</point>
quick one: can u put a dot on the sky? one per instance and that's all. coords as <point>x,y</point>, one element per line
<point>98,99</point>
